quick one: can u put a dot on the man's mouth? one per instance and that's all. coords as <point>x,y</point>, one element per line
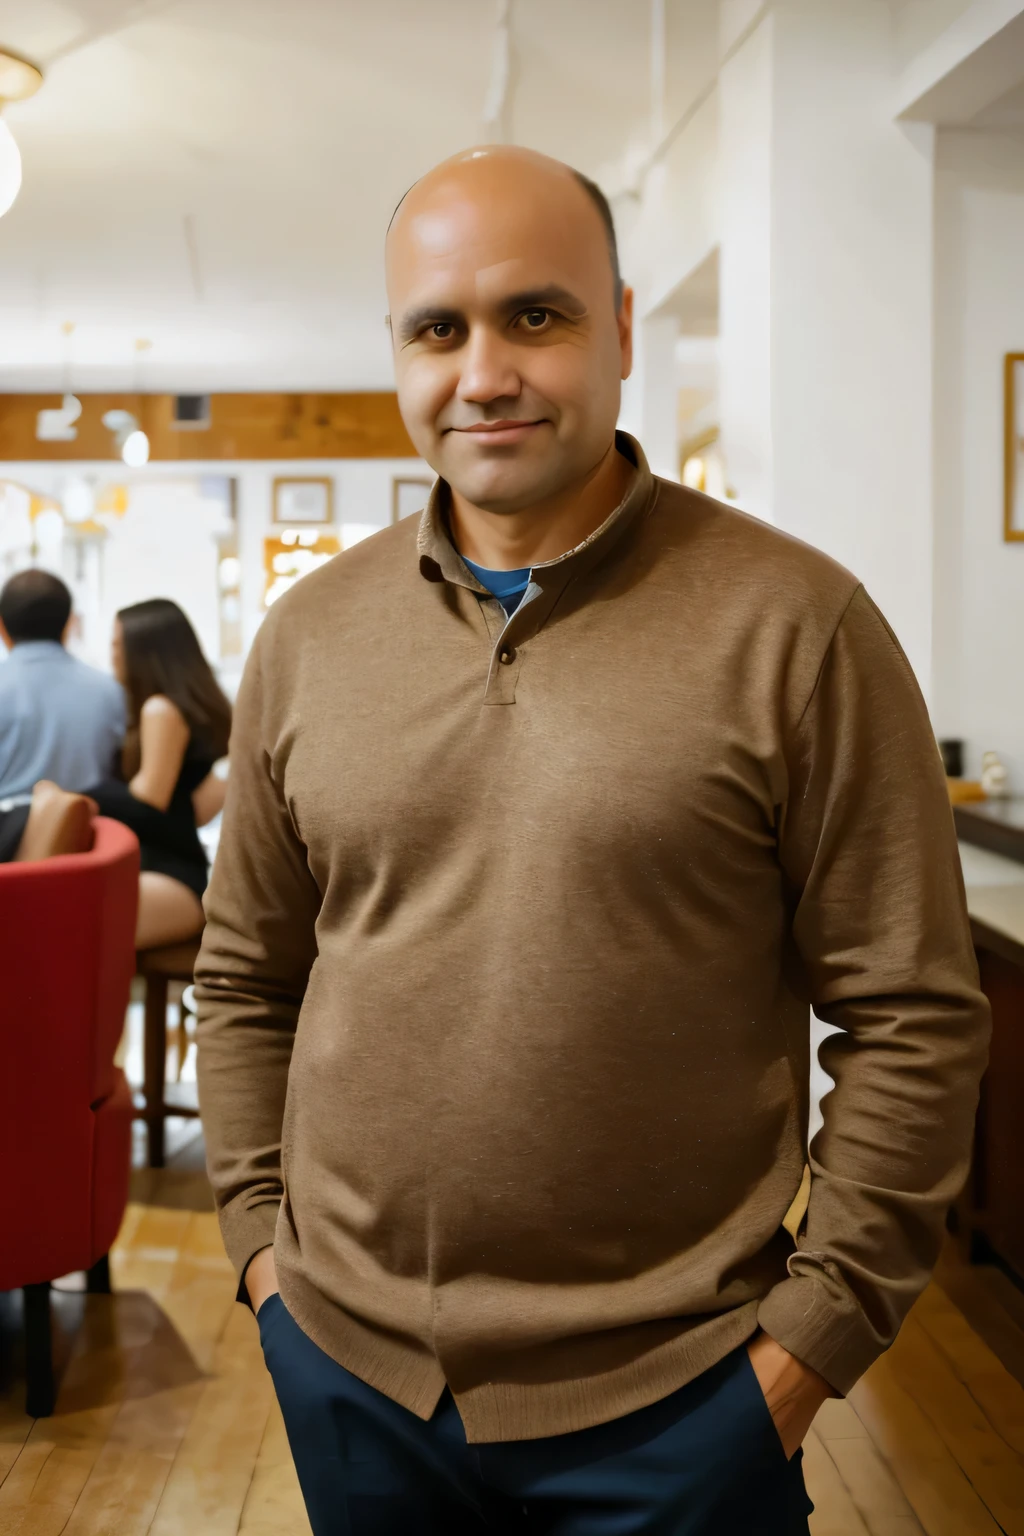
<point>498,433</point>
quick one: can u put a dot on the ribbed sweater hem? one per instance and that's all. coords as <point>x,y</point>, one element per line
<point>510,1410</point>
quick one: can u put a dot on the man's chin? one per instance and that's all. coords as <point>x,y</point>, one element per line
<point>501,488</point>
<point>499,498</point>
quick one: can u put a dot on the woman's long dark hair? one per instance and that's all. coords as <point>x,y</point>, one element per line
<point>162,654</point>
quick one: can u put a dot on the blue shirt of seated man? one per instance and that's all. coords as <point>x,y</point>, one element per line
<point>59,719</point>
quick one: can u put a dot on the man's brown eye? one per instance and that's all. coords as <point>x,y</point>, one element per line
<point>535,319</point>
<point>442,331</point>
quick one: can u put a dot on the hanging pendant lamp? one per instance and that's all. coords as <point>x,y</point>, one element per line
<point>18,80</point>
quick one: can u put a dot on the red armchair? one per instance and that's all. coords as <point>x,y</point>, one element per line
<point>67,954</point>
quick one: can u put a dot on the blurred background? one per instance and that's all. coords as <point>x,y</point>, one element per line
<point>820,206</point>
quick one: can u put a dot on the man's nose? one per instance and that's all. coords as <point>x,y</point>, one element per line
<point>488,368</point>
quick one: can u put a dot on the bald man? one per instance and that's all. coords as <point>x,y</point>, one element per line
<point>548,818</point>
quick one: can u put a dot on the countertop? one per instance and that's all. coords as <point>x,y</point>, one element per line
<point>997,825</point>
<point>995,898</point>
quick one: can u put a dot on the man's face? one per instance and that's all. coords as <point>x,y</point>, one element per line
<point>508,350</point>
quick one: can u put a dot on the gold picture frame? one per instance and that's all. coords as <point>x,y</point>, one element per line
<point>1013,507</point>
<point>303,499</point>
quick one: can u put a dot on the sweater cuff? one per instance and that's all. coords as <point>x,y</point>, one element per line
<point>245,1232</point>
<point>822,1325</point>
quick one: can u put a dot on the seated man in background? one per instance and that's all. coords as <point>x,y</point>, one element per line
<point>61,722</point>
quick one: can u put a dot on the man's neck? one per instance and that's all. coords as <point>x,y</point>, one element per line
<point>511,541</point>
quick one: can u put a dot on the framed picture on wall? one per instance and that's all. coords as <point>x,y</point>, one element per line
<point>409,495</point>
<point>1013,527</point>
<point>303,499</point>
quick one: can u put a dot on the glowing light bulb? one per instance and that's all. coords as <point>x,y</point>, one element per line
<point>135,450</point>
<point>78,501</point>
<point>10,168</point>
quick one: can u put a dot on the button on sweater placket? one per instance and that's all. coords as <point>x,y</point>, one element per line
<point>503,674</point>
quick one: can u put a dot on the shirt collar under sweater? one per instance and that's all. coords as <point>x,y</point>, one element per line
<point>441,561</point>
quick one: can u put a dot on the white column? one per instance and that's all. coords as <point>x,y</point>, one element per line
<point>650,397</point>
<point>851,312</point>
<point>745,273</point>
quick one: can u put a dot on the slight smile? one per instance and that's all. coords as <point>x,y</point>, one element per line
<point>500,433</point>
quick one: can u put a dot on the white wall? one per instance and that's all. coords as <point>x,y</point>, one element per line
<point>851,264</point>
<point>744,225</point>
<point>917,23</point>
<point>650,404</point>
<point>362,498</point>
<point>166,543</point>
<point>675,225</point>
<point>979,316</point>
<point>183,564</point>
<point>822,209</point>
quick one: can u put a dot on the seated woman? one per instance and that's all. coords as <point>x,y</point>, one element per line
<point>178,726</point>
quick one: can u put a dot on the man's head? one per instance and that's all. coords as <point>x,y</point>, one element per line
<point>34,606</point>
<point>511,329</point>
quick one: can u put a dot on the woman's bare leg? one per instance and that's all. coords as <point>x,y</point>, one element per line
<point>58,822</point>
<point>169,913</point>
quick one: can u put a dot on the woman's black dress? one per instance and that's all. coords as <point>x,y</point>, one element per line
<point>12,825</point>
<point>168,839</point>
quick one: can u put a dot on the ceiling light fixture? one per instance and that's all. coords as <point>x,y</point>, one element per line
<point>78,499</point>
<point>122,424</point>
<point>18,80</point>
<point>135,449</point>
<point>496,107</point>
<point>125,428</point>
<point>129,438</point>
<point>58,426</point>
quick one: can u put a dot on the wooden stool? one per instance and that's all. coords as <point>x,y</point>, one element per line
<point>159,967</point>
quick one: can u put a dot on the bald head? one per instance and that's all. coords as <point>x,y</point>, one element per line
<point>509,357</point>
<point>495,154</point>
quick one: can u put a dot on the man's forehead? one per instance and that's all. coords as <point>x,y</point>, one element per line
<point>456,230</point>
<point>500,277</point>
<point>488,271</point>
<point>487,283</point>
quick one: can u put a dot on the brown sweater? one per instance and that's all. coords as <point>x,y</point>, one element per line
<point>512,937</point>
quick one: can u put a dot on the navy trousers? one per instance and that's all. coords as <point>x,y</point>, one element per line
<point>706,1461</point>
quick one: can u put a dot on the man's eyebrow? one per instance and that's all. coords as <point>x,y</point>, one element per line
<point>552,296</point>
<point>413,321</point>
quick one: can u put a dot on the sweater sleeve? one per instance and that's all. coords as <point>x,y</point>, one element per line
<point>882,948</point>
<point>258,948</point>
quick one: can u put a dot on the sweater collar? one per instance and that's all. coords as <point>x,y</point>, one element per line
<point>441,561</point>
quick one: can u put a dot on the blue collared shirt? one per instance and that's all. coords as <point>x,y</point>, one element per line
<point>59,720</point>
<point>509,587</point>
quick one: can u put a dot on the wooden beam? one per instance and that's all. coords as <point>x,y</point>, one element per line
<point>247,426</point>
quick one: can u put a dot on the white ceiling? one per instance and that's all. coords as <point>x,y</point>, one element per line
<point>1006,115</point>
<point>216,176</point>
<point>917,23</point>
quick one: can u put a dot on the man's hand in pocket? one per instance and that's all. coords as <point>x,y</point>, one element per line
<point>261,1277</point>
<point>793,1392</point>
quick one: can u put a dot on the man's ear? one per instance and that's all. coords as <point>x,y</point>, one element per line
<point>625,324</point>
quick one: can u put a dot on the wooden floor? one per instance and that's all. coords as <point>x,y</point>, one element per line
<point>166,1423</point>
